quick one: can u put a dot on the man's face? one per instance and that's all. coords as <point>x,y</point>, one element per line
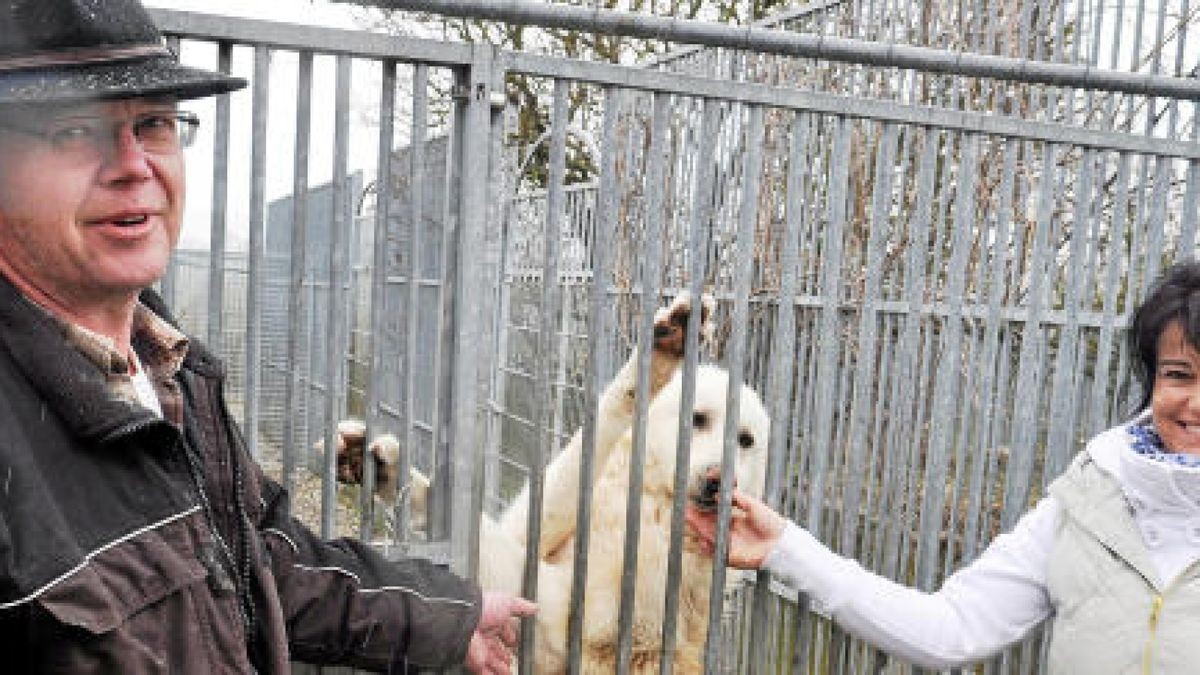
<point>89,213</point>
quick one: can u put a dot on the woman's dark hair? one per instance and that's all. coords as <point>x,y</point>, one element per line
<point>1173,297</point>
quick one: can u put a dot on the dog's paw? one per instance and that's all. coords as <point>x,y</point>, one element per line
<point>671,322</point>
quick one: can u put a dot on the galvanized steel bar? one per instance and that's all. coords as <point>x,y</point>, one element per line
<point>985,450</point>
<point>700,227</point>
<point>957,454</point>
<point>169,281</point>
<point>1100,398</point>
<point>474,114</point>
<point>297,268</point>
<point>500,190</point>
<point>379,261</point>
<point>910,342</point>
<point>257,224</point>
<point>1190,213</point>
<point>1094,55</point>
<point>1156,220</point>
<point>876,506</point>
<point>416,182</point>
<point>651,287</point>
<point>1061,435</point>
<point>549,309</point>
<point>830,320</point>
<point>864,366</point>
<point>297,37</point>
<point>751,175</point>
<point>1156,56</point>
<point>336,364</point>
<point>947,387</point>
<point>774,20</point>
<point>654,217</point>
<point>1093,271</point>
<point>1030,370</point>
<point>220,205</point>
<point>825,47</point>
<point>783,356</point>
<point>599,346</point>
<point>836,104</point>
<point>442,285</point>
<point>500,351</point>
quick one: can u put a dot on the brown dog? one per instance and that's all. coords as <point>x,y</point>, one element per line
<point>385,451</point>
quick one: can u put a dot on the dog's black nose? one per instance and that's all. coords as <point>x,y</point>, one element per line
<point>706,496</point>
<point>662,331</point>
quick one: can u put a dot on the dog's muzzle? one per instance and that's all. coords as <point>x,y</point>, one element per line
<point>707,488</point>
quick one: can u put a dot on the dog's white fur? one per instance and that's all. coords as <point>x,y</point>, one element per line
<point>503,542</point>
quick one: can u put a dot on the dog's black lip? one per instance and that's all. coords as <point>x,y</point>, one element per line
<point>705,503</point>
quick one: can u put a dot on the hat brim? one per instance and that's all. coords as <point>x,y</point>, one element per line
<point>150,77</point>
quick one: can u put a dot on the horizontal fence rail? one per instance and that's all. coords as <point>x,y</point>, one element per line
<point>763,40</point>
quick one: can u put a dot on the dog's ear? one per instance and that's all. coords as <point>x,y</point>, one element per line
<point>351,432</point>
<point>385,450</point>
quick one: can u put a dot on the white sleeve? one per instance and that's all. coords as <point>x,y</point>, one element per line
<point>979,610</point>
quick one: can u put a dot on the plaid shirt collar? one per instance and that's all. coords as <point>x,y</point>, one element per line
<point>159,346</point>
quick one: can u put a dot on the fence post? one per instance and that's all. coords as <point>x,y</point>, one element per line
<point>472,145</point>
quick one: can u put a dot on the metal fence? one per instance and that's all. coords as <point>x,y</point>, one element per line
<point>926,246</point>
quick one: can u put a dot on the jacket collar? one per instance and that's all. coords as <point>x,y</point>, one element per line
<point>199,359</point>
<point>1092,496</point>
<point>71,386</point>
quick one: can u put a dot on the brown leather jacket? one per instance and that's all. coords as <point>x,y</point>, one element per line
<point>129,545</point>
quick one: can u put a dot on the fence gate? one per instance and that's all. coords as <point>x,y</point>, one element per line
<point>925,225</point>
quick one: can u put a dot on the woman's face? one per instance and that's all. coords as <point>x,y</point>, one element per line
<point>1175,401</point>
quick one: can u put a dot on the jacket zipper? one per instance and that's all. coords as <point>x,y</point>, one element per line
<point>241,524</point>
<point>1156,607</point>
<point>1155,613</point>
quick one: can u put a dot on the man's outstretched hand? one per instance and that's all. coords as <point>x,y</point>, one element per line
<point>495,638</point>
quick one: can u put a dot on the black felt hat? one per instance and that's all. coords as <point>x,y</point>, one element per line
<point>83,50</point>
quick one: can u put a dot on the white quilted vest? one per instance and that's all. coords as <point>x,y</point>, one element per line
<point>1112,615</point>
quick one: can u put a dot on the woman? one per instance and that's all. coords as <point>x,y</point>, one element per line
<point>1110,553</point>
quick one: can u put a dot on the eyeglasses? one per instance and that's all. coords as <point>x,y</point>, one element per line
<point>159,133</point>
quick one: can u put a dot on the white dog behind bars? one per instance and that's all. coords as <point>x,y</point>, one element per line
<point>503,542</point>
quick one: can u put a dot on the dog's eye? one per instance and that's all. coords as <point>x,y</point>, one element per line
<point>745,439</point>
<point>700,420</point>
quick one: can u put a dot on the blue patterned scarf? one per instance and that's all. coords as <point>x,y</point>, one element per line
<point>1148,443</point>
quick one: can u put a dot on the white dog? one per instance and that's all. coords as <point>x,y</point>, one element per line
<point>503,542</point>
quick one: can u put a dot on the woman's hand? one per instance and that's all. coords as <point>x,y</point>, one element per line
<point>753,530</point>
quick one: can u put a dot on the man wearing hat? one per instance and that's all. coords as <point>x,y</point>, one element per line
<point>136,533</point>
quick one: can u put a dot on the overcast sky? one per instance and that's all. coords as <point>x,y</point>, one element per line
<point>281,122</point>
